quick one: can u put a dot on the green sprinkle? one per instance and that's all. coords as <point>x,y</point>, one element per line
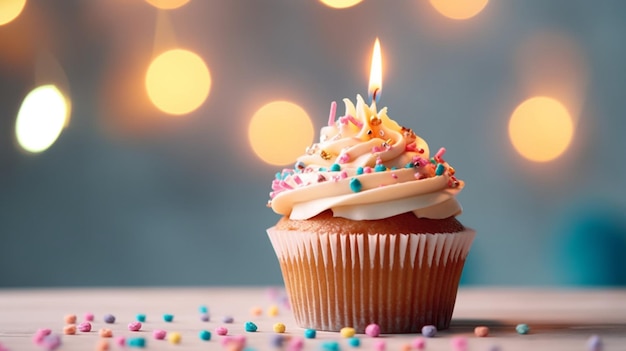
<point>355,185</point>
<point>380,168</point>
<point>251,327</point>
<point>440,169</point>
<point>522,328</point>
<point>205,335</point>
<point>168,317</point>
<point>359,170</point>
<point>136,342</point>
<point>141,317</point>
<point>330,346</point>
<point>335,167</point>
<point>203,309</point>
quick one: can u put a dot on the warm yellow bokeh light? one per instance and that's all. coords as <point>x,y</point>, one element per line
<point>459,9</point>
<point>279,132</point>
<point>178,81</point>
<point>41,118</point>
<point>340,4</point>
<point>167,4</point>
<point>10,9</point>
<point>541,129</point>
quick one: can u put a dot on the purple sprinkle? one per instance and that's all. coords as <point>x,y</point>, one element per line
<point>228,319</point>
<point>109,318</point>
<point>429,331</point>
<point>205,317</point>
<point>51,342</point>
<point>594,343</point>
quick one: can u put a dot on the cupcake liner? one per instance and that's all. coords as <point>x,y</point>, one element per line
<point>399,281</point>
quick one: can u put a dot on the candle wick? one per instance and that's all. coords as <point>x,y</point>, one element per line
<point>375,96</point>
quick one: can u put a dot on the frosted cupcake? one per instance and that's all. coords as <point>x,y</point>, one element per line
<point>369,231</point>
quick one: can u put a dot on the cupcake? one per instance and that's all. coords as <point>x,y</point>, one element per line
<point>369,232</point>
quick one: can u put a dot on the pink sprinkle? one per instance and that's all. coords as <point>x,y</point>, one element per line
<point>367,169</point>
<point>295,344</point>
<point>376,149</point>
<point>344,158</point>
<point>89,317</point>
<point>379,161</point>
<point>380,345</point>
<point>84,327</point>
<point>419,343</point>
<point>285,185</point>
<point>343,174</point>
<point>394,176</point>
<point>349,118</point>
<point>40,334</point>
<point>419,161</point>
<point>372,330</point>
<point>239,341</point>
<point>120,341</point>
<point>459,343</point>
<point>439,154</point>
<point>159,334</point>
<point>221,331</point>
<point>331,115</point>
<point>420,151</point>
<point>297,180</point>
<point>411,147</point>
<point>134,326</point>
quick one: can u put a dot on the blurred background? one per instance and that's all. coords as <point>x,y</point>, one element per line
<point>139,138</point>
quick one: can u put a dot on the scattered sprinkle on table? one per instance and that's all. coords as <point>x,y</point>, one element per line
<point>140,317</point>
<point>205,317</point>
<point>106,333</point>
<point>174,337</point>
<point>250,327</point>
<point>256,311</point>
<point>459,343</point>
<point>372,330</point>
<point>120,341</point>
<point>89,317</point>
<point>159,334</point>
<point>354,342</point>
<point>70,319</point>
<point>279,327</point>
<point>168,317</point>
<point>481,331</point>
<point>205,335</point>
<point>330,346</point>
<point>102,345</point>
<point>380,345</point>
<point>347,332</point>
<point>136,342</point>
<point>228,319</point>
<point>272,311</point>
<point>277,340</point>
<point>429,331</point>
<point>84,327</point>
<point>134,326</point>
<point>221,331</point>
<point>51,342</point>
<point>310,333</point>
<point>419,343</point>
<point>69,329</point>
<point>594,343</point>
<point>109,318</point>
<point>522,329</point>
<point>203,309</point>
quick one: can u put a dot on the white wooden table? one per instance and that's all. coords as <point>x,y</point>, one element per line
<point>559,319</point>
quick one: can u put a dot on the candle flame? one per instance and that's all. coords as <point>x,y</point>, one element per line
<point>376,74</point>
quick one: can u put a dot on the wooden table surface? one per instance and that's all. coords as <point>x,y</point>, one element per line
<point>559,319</point>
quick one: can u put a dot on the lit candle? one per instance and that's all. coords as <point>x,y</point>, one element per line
<point>376,74</point>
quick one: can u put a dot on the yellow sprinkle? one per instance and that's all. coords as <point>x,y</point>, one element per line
<point>347,332</point>
<point>272,311</point>
<point>279,328</point>
<point>256,311</point>
<point>174,337</point>
<point>325,155</point>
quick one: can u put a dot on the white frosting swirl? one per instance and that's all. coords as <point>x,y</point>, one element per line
<point>367,167</point>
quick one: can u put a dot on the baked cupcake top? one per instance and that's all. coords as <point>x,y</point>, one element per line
<point>367,167</point>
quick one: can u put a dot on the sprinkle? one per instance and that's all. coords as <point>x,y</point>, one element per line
<point>522,329</point>
<point>256,311</point>
<point>109,318</point>
<point>380,168</point>
<point>250,327</point>
<point>205,335</point>
<point>440,169</point>
<point>168,317</point>
<point>420,150</point>
<point>140,317</point>
<point>375,120</point>
<point>84,327</point>
<point>481,331</point>
<point>295,344</point>
<point>494,348</point>
<point>359,170</point>
<point>69,329</point>
<point>343,174</point>
<point>330,346</point>
<point>51,342</point>
<point>335,167</point>
<point>380,345</point>
<point>134,326</point>
<point>451,170</point>
<point>321,178</point>
<point>277,340</point>
<point>367,169</point>
<point>299,166</point>
<point>325,155</point>
<point>310,333</point>
<point>40,334</point>
<point>174,338</point>
<point>347,332</point>
<point>159,334</point>
<point>273,311</point>
<point>355,185</point>
<point>102,345</point>
<point>137,342</point>
<point>372,330</point>
<point>419,343</point>
<point>205,317</point>
<point>297,179</point>
<point>221,331</point>
<point>394,176</point>
<point>120,341</point>
<point>594,343</point>
<point>331,115</point>
<point>376,149</point>
<point>348,118</point>
<point>410,147</point>
<point>429,331</point>
<point>228,319</point>
<point>70,319</point>
<point>343,158</point>
<point>439,154</point>
<point>405,347</point>
<point>279,328</point>
<point>106,333</point>
<point>459,343</point>
<point>203,309</point>
<point>354,342</point>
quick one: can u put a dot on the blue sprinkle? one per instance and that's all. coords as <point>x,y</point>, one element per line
<point>203,309</point>
<point>594,343</point>
<point>278,176</point>
<point>440,168</point>
<point>335,167</point>
<point>429,331</point>
<point>251,327</point>
<point>228,319</point>
<point>141,317</point>
<point>322,169</point>
<point>354,342</point>
<point>277,340</point>
<point>310,333</point>
<point>394,168</point>
<point>330,346</point>
<point>355,185</point>
<point>205,335</point>
<point>380,168</point>
<point>168,317</point>
<point>109,318</point>
<point>136,342</point>
<point>408,165</point>
<point>522,328</point>
<point>359,170</point>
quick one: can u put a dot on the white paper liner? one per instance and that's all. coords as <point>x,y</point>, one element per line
<point>399,281</point>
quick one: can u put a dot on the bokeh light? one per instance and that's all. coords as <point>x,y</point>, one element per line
<point>41,118</point>
<point>178,81</point>
<point>340,4</point>
<point>459,9</point>
<point>167,4</point>
<point>541,129</point>
<point>279,132</point>
<point>10,9</point>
